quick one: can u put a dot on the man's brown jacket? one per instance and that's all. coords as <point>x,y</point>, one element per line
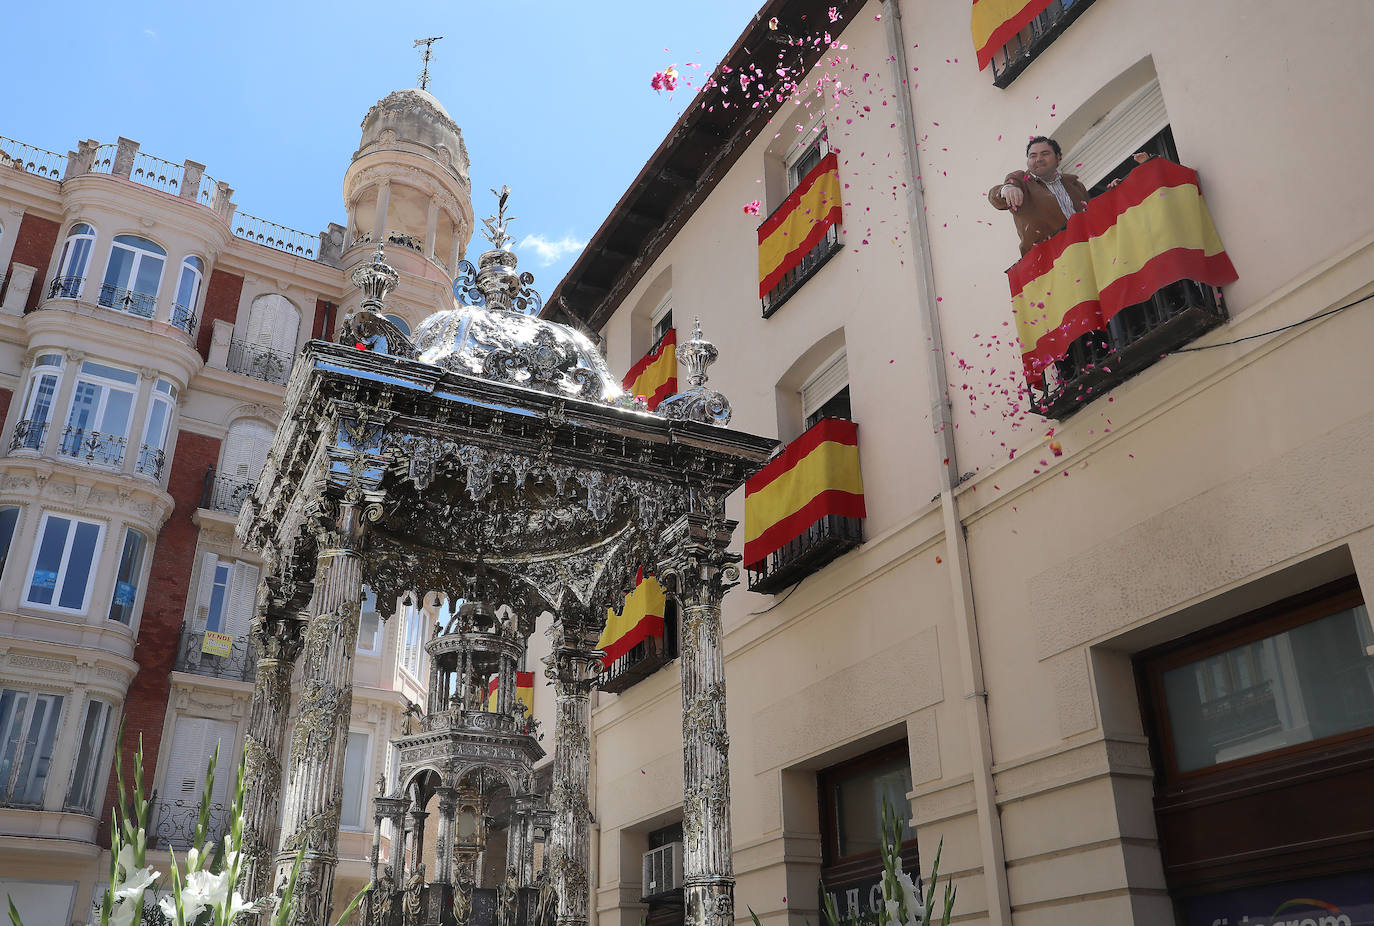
<point>1039,216</point>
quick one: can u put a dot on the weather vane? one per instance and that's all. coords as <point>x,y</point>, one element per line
<point>496,224</point>
<point>424,72</point>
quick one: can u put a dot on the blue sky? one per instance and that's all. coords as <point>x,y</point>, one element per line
<point>553,97</point>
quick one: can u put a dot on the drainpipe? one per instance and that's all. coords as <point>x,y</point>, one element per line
<point>956,546</point>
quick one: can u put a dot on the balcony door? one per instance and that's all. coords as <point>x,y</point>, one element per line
<point>193,743</point>
<point>98,421</point>
<point>133,275</point>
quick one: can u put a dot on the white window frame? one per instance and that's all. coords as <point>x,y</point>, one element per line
<point>197,278</point>
<point>64,564</point>
<point>69,254</point>
<point>664,312</point>
<point>143,558</point>
<point>24,720</point>
<point>362,782</point>
<point>824,384</point>
<point>90,782</point>
<point>139,254</point>
<point>1118,135</point>
<point>164,399</point>
<point>42,371</point>
<point>106,384</point>
<point>813,136</point>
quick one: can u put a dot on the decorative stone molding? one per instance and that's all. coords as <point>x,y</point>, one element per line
<point>21,282</point>
<point>43,663</point>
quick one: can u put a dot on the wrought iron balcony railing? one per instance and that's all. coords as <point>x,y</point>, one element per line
<point>174,824</point>
<point>261,231</point>
<point>814,260</point>
<point>830,536</point>
<point>225,492</point>
<point>184,317</point>
<point>271,366</point>
<point>92,447</point>
<point>1136,338</point>
<point>126,300</point>
<point>29,435</point>
<point>240,664</point>
<point>68,287</point>
<point>150,461</point>
<point>643,659</point>
<point>1013,58</point>
<point>40,161</point>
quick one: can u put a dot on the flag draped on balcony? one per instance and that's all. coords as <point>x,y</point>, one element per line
<point>996,22</point>
<point>641,618</point>
<point>655,376</point>
<point>816,475</point>
<point>524,691</point>
<point>1151,230</point>
<point>800,223</point>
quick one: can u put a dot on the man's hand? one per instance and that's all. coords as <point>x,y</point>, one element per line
<point>1013,195</point>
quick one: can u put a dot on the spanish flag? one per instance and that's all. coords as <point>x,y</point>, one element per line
<point>800,223</point>
<point>524,692</point>
<point>655,376</point>
<point>996,22</point>
<point>816,475</point>
<point>1151,230</point>
<point>639,619</point>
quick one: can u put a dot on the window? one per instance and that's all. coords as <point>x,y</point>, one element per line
<point>126,579</point>
<point>793,268</point>
<point>662,319</point>
<point>245,450</point>
<point>133,275</point>
<point>412,640</point>
<point>98,421</point>
<point>76,258</point>
<point>9,517</point>
<point>273,323</point>
<point>825,394</point>
<point>1013,57</point>
<point>90,757</point>
<point>806,155</point>
<point>354,781</point>
<point>38,401</point>
<point>369,622</point>
<point>228,592</point>
<point>188,292</point>
<point>28,729</point>
<point>42,903</point>
<point>1302,675</point>
<point>153,454</point>
<point>63,562</point>
<point>194,740</point>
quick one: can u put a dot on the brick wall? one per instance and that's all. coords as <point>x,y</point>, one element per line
<point>164,605</point>
<point>221,301</point>
<point>323,328</point>
<point>33,245</point>
<point>5,396</point>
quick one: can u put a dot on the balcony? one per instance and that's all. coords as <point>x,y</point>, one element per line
<point>175,822</point>
<point>643,659</point>
<point>829,537</point>
<point>92,447</point>
<point>184,317</point>
<point>270,234</point>
<point>68,287</point>
<point>29,435</point>
<point>224,492</point>
<point>150,461</point>
<point>239,665</point>
<point>270,366</point>
<point>39,161</point>
<point>142,305</point>
<point>1016,55</point>
<point>1130,279</point>
<point>1136,338</point>
<point>809,266</point>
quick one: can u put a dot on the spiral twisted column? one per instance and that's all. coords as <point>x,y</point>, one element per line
<point>572,666</point>
<point>314,775</point>
<point>277,638</point>
<point>699,569</point>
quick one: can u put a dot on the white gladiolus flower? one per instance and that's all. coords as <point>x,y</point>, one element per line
<point>133,882</point>
<point>914,908</point>
<point>203,890</point>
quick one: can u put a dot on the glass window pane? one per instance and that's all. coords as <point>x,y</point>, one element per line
<point>37,747</point>
<point>355,770</point>
<point>186,287</point>
<point>8,518</point>
<point>109,372</point>
<point>115,419</point>
<point>13,706</point>
<point>50,548</point>
<point>85,398</point>
<point>126,579</point>
<point>157,421</point>
<point>79,565</point>
<point>220,591</point>
<point>48,360</point>
<point>142,244</point>
<point>40,402</point>
<point>121,265</point>
<point>149,273</point>
<point>1303,684</point>
<point>90,750</point>
<point>859,806</point>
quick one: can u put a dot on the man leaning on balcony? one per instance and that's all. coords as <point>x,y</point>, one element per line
<point>1041,199</point>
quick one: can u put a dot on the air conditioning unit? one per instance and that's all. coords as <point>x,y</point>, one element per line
<point>662,870</point>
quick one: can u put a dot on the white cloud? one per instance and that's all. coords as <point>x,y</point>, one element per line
<point>549,251</point>
<point>150,33</point>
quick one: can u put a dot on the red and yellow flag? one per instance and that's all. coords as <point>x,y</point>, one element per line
<point>1151,230</point>
<point>524,691</point>
<point>655,376</point>
<point>641,618</point>
<point>996,22</point>
<point>816,475</point>
<point>800,223</point>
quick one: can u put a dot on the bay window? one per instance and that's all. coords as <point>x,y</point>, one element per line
<point>133,275</point>
<point>90,757</point>
<point>98,421</point>
<point>188,291</point>
<point>127,577</point>
<point>38,401</point>
<point>76,259</point>
<point>28,730</point>
<point>153,454</point>
<point>63,563</point>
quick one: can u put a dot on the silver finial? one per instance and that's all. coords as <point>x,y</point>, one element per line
<point>697,402</point>
<point>496,224</point>
<point>424,71</point>
<point>376,280</point>
<point>495,283</point>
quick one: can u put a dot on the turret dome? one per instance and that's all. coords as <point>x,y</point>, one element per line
<point>413,119</point>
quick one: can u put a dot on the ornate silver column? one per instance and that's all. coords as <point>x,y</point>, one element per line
<point>572,667</point>
<point>277,639</point>
<point>443,845</point>
<point>698,571</point>
<point>314,781</point>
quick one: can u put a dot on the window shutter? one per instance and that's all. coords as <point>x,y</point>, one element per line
<point>1120,134</point>
<point>243,593</point>
<point>824,383</point>
<point>193,742</point>
<point>246,448</point>
<point>207,585</point>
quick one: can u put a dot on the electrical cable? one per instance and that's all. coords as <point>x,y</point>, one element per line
<point>1265,334</point>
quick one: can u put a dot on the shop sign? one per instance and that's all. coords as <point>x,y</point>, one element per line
<point>1340,900</point>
